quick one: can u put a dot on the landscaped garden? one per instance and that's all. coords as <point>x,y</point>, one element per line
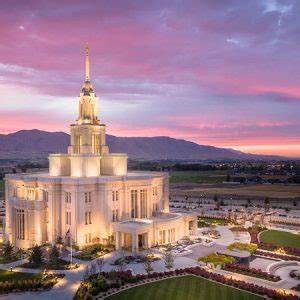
<point>44,257</point>
<point>186,287</point>
<point>105,284</point>
<point>280,238</point>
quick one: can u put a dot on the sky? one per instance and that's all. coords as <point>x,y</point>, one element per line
<point>217,72</point>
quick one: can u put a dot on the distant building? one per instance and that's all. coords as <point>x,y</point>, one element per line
<point>89,192</point>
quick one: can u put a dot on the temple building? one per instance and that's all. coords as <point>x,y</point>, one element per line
<point>89,193</point>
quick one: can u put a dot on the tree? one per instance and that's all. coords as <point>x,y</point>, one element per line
<point>168,258</point>
<point>267,204</point>
<point>215,198</point>
<point>8,249</point>
<point>36,255</point>
<point>147,262</point>
<point>54,256</point>
<point>100,264</point>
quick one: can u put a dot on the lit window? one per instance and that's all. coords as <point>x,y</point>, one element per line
<point>68,217</point>
<point>68,197</point>
<point>88,197</point>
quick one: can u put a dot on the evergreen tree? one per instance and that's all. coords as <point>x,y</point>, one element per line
<point>8,249</point>
<point>36,255</point>
<point>54,256</point>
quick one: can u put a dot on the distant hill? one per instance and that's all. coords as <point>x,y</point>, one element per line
<point>39,144</point>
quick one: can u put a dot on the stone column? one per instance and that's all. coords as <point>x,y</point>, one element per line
<point>135,243</point>
<point>118,240</point>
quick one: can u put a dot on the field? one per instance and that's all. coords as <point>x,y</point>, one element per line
<point>259,190</point>
<point>187,288</point>
<point>9,276</point>
<point>281,238</point>
<point>209,177</point>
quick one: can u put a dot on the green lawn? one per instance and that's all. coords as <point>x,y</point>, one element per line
<point>210,177</point>
<point>184,288</point>
<point>8,276</point>
<point>281,238</point>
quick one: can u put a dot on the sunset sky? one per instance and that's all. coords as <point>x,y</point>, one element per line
<point>216,72</point>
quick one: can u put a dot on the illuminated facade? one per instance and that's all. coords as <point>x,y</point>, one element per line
<point>89,191</point>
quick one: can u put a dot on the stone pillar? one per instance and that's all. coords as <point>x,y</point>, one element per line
<point>122,242</point>
<point>195,227</point>
<point>135,243</point>
<point>118,240</point>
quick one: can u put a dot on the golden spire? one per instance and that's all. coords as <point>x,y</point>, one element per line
<point>87,64</point>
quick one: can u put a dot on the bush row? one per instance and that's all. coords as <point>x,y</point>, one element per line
<point>277,255</point>
<point>272,247</point>
<point>28,285</point>
<point>251,272</point>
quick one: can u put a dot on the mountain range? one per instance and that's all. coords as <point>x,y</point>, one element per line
<point>30,144</point>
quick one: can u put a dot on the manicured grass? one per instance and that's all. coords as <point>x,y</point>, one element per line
<point>197,177</point>
<point>281,238</point>
<point>184,288</point>
<point>258,190</point>
<point>9,276</point>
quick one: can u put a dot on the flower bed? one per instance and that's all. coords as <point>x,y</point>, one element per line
<point>126,278</point>
<point>93,252</point>
<point>273,247</point>
<point>34,285</point>
<point>217,259</point>
<point>277,255</point>
<point>60,265</point>
<point>243,247</point>
<point>251,272</point>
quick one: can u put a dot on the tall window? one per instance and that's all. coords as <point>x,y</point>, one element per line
<point>95,144</point>
<point>88,197</point>
<point>20,226</point>
<point>143,198</point>
<point>115,215</point>
<point>68,197</point>
<point>68,218</point>
<point>88,217</point>
<point>77,143</point>
<point>154,191</point>
<point>115,195</point>
<point>171,235</point>
<point>45,196</point>
<point>162,237</point>
<point>15,193</point>
<point>134,209</point>
<point>88,238</point>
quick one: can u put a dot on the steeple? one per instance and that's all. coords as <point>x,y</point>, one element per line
<point>87,64</point>
<point>87,98</point>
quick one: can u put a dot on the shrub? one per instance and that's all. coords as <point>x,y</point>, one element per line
<point>243,247</point>
<point>217,259</point>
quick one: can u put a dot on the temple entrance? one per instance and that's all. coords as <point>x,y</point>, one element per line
<point>143,241</point>
<point>140,241</point>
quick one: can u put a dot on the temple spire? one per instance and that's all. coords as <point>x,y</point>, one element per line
<point>87,64</point>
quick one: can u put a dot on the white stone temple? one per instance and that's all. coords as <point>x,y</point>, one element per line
<point>89,193</point>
